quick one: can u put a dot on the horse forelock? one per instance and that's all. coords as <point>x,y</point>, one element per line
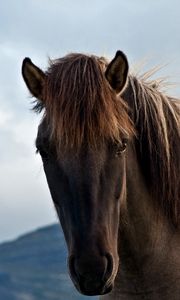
<point>80,105</point>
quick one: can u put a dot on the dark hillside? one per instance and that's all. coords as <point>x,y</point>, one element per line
<point>33,267</point>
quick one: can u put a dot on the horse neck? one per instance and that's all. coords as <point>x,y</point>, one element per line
<point>148,261</point>
<point>142,220</point>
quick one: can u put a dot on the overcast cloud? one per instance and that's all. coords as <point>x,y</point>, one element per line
<point>42,28</point>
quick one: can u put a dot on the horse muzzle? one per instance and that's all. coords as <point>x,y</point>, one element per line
<point>92,275</point>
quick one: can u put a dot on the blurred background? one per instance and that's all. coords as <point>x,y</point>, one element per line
<point>146,31</point>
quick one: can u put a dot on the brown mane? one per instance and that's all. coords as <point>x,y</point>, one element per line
<point>80,105</point>
<point>157,120</point>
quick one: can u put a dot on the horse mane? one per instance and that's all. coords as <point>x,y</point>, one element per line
<point>157,121</point>
<point>80,105</point>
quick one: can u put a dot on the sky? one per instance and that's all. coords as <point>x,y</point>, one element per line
<point>144,30</point>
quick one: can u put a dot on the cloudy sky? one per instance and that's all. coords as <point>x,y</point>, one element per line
<point>42,28</point>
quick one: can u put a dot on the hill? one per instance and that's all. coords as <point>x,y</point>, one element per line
<point>33,267</point>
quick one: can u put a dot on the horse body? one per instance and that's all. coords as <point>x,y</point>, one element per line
<point>112,164</point>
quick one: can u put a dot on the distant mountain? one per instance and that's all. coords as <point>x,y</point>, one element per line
<point>33,267</point>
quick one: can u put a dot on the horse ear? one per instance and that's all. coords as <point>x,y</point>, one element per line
<point>117,72</point>
<point>33,77</point>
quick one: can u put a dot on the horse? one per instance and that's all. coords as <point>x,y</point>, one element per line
<point>110,146</point>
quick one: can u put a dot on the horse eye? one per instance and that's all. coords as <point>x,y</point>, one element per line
<point>121,148</point>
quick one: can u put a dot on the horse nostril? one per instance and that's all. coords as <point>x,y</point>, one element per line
<point>109,269</point>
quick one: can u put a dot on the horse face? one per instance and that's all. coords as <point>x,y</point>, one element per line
<point>87,190</point>
<point>87,186</point>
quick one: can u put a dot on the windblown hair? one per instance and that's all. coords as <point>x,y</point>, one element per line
<point>157,120</point>
<point>80,105</point>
